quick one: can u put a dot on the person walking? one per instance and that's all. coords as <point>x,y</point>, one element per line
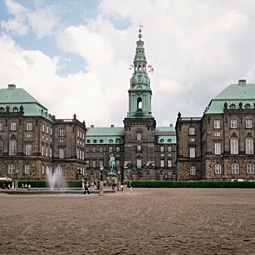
<point>86,186</point>
<point>130,187</point>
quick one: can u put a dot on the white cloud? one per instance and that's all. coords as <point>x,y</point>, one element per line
<point>14,26</point>
<point>42,22</point>
<point>15,8</point>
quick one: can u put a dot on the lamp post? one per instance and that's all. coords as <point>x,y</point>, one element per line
<point>118,180</point>
<point>16,179</point>
<point>101,188</point>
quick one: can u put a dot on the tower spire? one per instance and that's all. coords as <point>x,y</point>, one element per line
<point>140,92</point>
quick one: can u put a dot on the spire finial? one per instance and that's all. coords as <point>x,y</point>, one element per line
<point>140,31</point>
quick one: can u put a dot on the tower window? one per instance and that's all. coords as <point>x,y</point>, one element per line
<point>139,103</point>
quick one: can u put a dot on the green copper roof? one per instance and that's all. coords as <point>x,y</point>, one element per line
<point>166,139</point>
<point>15,97</point>
<point>105,135</point>
<point>233,95</point>
<point>166,129</point>
<point>165,135</point>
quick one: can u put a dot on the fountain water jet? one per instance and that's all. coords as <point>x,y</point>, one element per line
<point>55,177</point>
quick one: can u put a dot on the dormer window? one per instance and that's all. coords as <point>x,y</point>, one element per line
<point>15,109</point>
<point>232,106</point>
<point>247,106</point>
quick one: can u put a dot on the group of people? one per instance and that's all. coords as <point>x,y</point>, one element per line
<point>96,184</point>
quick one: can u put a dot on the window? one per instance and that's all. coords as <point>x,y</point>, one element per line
<point>50,152</point>
<point>101,163</point>
<point>117,140</point>
<point>217,148</point>
<point>88,141</point>
<point>192,139</point>
<point>43,172</point>
<point>101,141</point>
<point>94,141</point>
<point>29,135</point>
<point>46,151</point>
<point>169,163</point>
<point>1,126</point>
<point>139,148</point>
<point>234,145</point>
<point>247,106</point>
<point>87,163</point>
<point>1,109</point>
<point>162,149</point>
<point>28,149</point>
<point>43,128</point>
<point>101,149</point>
<point>139,136</point>
<point>117,149</point>
<point>216,124</point>
<point>29,126</point>
<point>15,109</point>
<point>192,152</point>
<point>169,148</point>
<point>217,168</point>
<point>62,132</point>
<point>191,131</point>
<point>61,153</point>
<point>87,149</point>
<point>61,140</point>
<point>11,168</point>
<point>233,123</point>
<point>249,145</point>
<point>13,147</point>
<point>1,146</point>
<point>78,153</point>
<point>192,170</point>
<point>161,140</point>
<point>51,131</point>
<point>94,149</point>
<point>94,163</point>
<point>169,140</point>
<point>162,163</point>
<point>139,163</point>
<point>250,168</point>
<point>27,169</point>
<point>42,150</point>
<point>232,106</point>
<point>248,123</point>
<point>78,133</point>
<point>110,141</point>
<point>110,149</point>
<point>47,129</point>
<point>13,126</point>
<point>83,136</point>
<point>235,168</point>
<point>216,133</point>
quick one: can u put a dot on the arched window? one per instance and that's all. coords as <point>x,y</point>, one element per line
<point>234,145</point>
<point>139,103</point>
<point>94,141</point>
<point>101,141</point>
<point>161,140</point>
<point>15,109</point>
<point>250,168</point>
<point>13,147</point>
<point>110,141</point>
<point>169,140</point>
<point>249,145</point>
<point>217,168</point>
<point>192,170</point>
<point>1,146</point>
<point>232,106</point>
<point>1,109</point>
<point>247,106</point>
<point>88,141</point>
<point>235,168</point>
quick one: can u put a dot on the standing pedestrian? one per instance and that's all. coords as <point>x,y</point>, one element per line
<point>86,186</point>
<point>130,187</point>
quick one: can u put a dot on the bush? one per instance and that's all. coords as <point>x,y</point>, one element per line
<point>193,184</point>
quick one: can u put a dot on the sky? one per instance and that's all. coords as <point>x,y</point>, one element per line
<point>73,56</point>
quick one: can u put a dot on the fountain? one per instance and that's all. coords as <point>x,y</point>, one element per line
<point>55,178</point>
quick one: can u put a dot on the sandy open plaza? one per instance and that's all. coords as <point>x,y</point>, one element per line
<point>148,221</point>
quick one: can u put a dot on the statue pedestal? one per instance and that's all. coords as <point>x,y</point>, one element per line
<point>111,178</point>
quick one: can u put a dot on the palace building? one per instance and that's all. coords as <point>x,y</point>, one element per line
<point>217,146</point>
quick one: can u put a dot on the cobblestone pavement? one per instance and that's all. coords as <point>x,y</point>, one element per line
<point>148,221</point>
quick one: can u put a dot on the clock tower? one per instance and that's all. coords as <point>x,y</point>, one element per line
<point>139,123</point>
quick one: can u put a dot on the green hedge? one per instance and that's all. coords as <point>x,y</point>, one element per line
<point>192,184</point>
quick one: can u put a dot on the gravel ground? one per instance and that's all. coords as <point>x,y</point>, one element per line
<point>148,221</point>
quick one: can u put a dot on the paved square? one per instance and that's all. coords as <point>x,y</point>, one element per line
<point>148,221</point>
